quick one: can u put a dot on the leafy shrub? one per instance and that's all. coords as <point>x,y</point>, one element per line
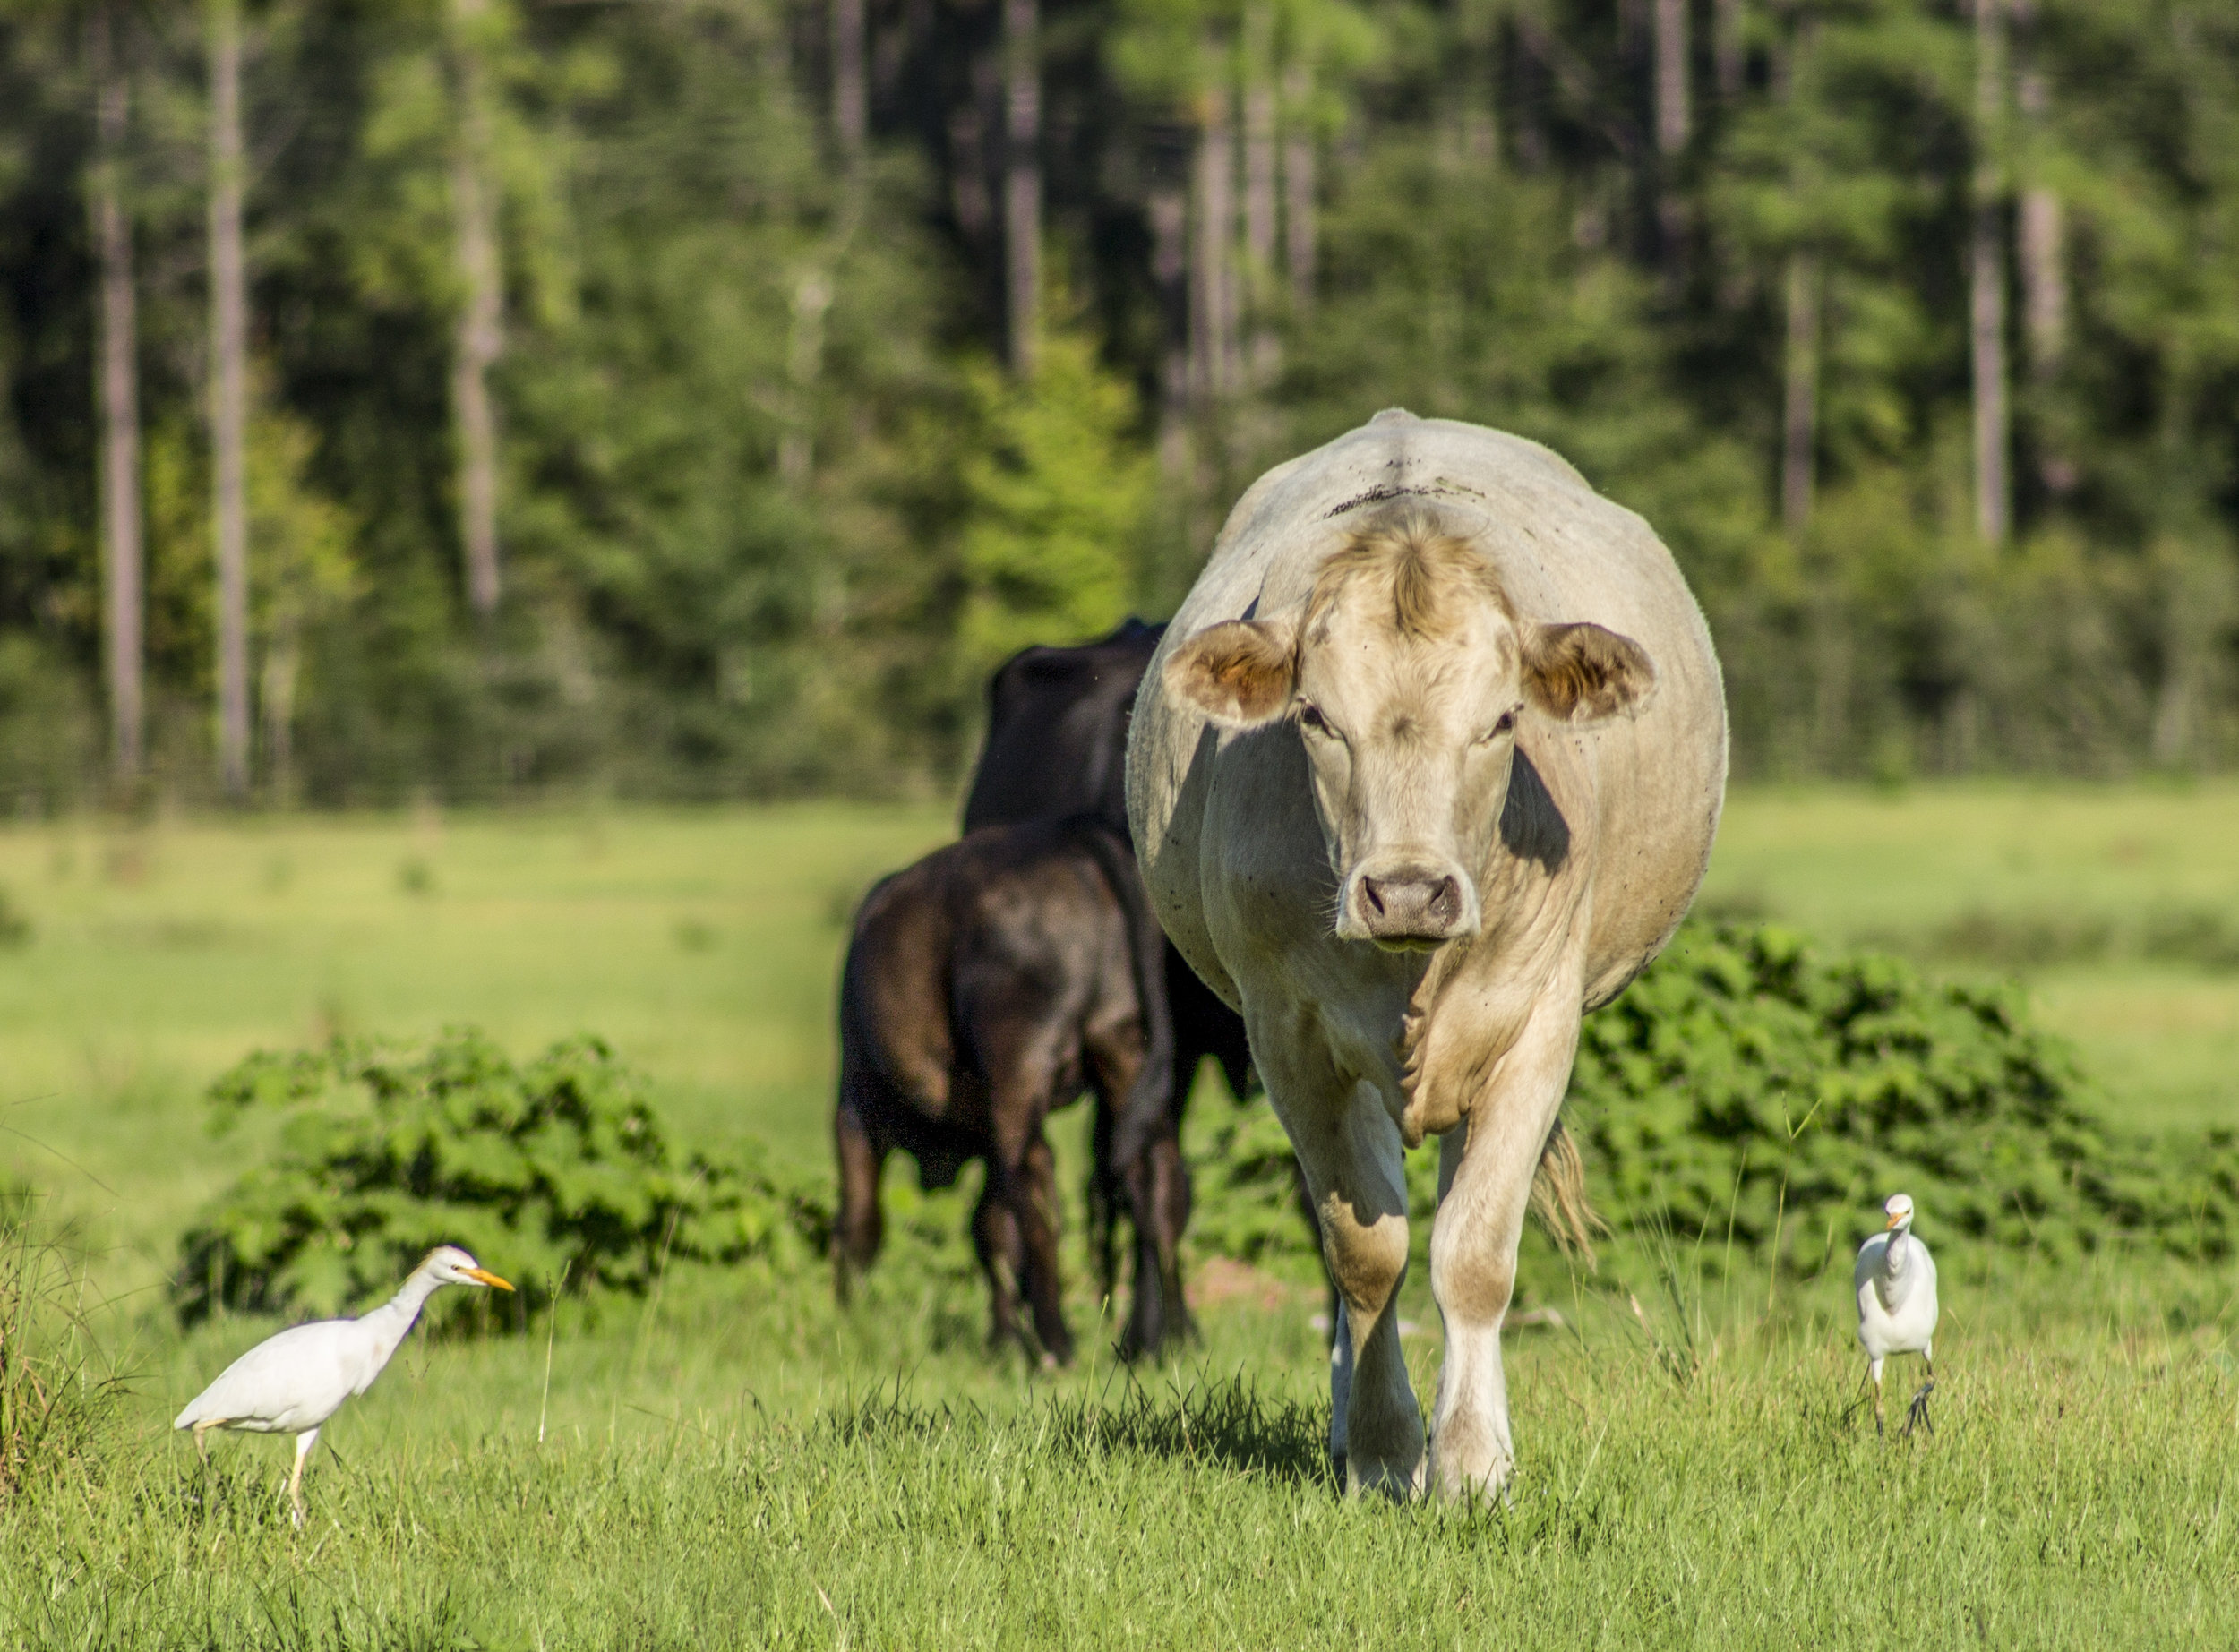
<point>1748,1083</point>
<point>388,1152</point>
<point>1747,1079</point>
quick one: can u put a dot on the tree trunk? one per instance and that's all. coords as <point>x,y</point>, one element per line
<point>1727,60</point>
<point>1987,280</point>
<point>1259,141</point>
<point>479,337</point>
<point>804,364</point>
<point>1022,181</point>
<point>968,158</point>
<point>228,397</point>
<point>1298,188</point>
<point>851,107</point>
<point>2043,251</point>
<point>1213,299</point>
<point>1671,132</point>
<point>1169,237</point>
<point>1258,272</point>
<point>276,697</point>
<point>119,393</point>
<point>1800,414</point>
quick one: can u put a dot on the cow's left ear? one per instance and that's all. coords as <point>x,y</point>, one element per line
<point>1239,673</point>
<point>1584,673</point>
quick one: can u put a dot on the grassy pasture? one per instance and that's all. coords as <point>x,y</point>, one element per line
<point>735,1462</point>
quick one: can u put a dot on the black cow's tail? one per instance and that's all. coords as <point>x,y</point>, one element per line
<point>1151,1103</point>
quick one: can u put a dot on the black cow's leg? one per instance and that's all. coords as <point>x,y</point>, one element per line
<point>1158,1200</point>
<point>862,1226</point>
<point>1033,1190</point>
<point>1104,1194</point>
<point>1002,1258</point>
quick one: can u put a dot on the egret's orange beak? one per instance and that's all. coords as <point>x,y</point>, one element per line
<point>483,1276</point>
<point>1890,1228</point>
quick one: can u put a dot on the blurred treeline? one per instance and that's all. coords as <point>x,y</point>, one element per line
<point>694,397</point>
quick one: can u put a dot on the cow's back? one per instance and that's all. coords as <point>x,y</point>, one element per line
<point>1653,782</point>
<point>1057,732</point>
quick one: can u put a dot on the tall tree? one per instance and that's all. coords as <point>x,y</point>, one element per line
<point>1672,124</point>
<point>850,102</point>
<point>1213,255</point>
<point>478,337</point>
<point>118,393</point>
<point>1725,47</point>
<point>1987,276</point>
<point>1799,391</point>
<point>2041,245</point>
<point>1022,181</point>
<point>229,397</point>
<point>1299,207</point>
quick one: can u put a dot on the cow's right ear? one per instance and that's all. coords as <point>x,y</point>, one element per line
<point>1239,673</point>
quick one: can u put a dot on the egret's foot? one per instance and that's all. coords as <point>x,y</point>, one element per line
<point>1918,1411</point>
<point>295,1515</point>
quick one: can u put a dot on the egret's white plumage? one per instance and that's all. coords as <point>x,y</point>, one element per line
<point>1897,1305</point>
<point>291,1384</point>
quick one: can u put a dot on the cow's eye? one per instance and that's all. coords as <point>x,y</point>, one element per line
<point>1503,725</point>
<point>1310,717</point>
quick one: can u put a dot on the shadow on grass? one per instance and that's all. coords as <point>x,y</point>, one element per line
<point>1225,1422</point>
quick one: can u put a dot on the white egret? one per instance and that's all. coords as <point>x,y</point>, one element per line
<point>1897,1306</point>
<point>291,1384</point>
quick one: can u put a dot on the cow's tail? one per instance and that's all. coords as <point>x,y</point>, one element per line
<point>1559,1196</point>
<point>1149,1105</point>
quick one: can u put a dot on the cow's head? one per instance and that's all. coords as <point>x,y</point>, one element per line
<point>1405,671</point>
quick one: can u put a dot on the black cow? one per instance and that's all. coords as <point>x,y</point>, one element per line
<point>1057,743</point>
<point>986,986</point>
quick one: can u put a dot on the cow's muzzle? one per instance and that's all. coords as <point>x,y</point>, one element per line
<point>1409,907</point>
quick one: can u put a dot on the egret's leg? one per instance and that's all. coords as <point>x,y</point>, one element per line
<point>1918,1412</point>
<point>1874,1375</point>
<point>304,1442</point>
<point>201,1439</point>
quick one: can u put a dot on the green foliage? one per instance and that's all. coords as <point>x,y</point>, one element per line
<point>557,1170</point>
<point>1748,1081</point>
<point>1749,1088</point>
<point>1059,495</point>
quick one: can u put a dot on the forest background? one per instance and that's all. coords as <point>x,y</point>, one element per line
<point>478,398</point>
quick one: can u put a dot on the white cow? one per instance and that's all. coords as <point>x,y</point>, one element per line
<point>1427,765</point>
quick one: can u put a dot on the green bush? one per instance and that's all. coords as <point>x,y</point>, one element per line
<point>1749,1085</point>
<point>555,1169</point>
<point>1749,1081</point>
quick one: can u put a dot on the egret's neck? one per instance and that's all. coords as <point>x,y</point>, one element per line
<point>395,1316</point>
<point>1897,1253</point>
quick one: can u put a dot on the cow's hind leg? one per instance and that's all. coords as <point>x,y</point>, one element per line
<point>1474,1246</point>
<point>1035,1200</point>
<point>996,1239</point>
<point>1349,1146</point>
<point>1156,1186</point>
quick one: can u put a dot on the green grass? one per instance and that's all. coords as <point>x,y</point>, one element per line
<point>718,1464</point>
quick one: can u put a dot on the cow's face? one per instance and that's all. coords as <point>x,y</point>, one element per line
<point>1405,673</point>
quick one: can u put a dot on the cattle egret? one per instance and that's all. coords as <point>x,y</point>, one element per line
<point>1897,1305</point>
<point>291,1384</point>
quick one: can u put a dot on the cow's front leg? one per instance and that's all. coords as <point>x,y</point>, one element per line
<point>1350,1148</point>
<point>1487,1174</point>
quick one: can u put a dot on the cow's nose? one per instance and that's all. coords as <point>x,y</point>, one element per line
<point>1409,903</point>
